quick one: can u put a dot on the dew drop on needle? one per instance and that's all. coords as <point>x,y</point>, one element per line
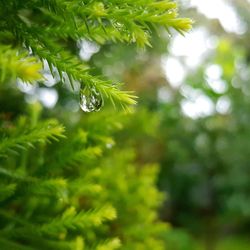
<point>91,99</point>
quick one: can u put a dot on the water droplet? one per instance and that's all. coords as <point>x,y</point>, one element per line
<point>90,99</point>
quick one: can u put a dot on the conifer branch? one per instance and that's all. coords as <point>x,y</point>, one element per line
<point>46,131</point>
<point>44,26</point>
<point>83,220</point>
<point>24,185</point>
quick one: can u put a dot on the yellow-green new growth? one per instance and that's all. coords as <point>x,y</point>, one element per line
<point>15,64</point>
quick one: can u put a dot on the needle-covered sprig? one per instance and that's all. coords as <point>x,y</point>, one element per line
<point>46,27</point>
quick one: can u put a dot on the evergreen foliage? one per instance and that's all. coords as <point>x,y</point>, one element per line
<point>77,193</point>
<point>66,188</point>
<point>48,29</point>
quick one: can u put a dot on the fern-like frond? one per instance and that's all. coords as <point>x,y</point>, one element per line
<point>56,187</point>
<point>44,132</point>
<point>85,219</point>
<point>78,73</point>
